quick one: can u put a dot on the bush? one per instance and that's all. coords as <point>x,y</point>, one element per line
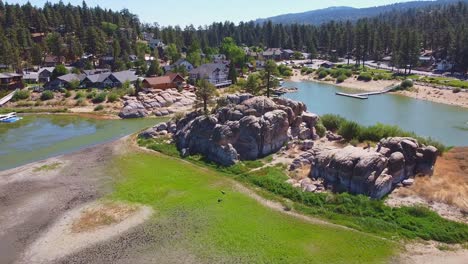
<point>80,101</point>
<point>365,76</point>
<point>320,129</point>
<point>100,97</point>
<point>47,95</point>
<point>20,95</point>
<point>322,74</point>
<point>91,94</point>
<point>79,95</point>
<point>67,94</point>
<point>349,130</point>
<point>408,83</point>
<point>99,108</point>
<point>341,78</point>
<point>112,97</point>
<point>456,90</point>
<point>332,122</point>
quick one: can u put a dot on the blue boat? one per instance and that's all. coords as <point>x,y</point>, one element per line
<point>9,118</point>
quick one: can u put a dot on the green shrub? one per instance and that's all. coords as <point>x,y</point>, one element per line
<point>99,98</point>
<point>112,97</point>
<point>79,95</point>
<point>47,95</point>
<point>21,95</point>
<point>332,122</point>
<point>408,83</point>
<point>67,94</point>
<point>91,94</point>
<point>322,74</point>
<point>365,76</point>
<point>349,130</point>
<point>99,108</point>
<point>80,101</point>
<point>320,129</point>
<point>341,78</point>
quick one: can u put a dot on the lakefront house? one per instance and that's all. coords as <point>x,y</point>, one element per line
<point>215,73</point>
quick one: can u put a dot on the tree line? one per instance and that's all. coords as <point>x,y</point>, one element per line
<point>73,30</point>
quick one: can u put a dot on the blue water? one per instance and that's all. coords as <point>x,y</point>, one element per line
<point>445,123</point>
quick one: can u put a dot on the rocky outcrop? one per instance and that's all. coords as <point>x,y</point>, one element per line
<point>157,102</point>
<point>373,173</point>
<point>242,128</point>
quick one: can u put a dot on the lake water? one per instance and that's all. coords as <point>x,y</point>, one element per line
<point>447,124</point>
<point>40,137</point>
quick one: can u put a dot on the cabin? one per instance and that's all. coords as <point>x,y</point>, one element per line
<point>31,77</point>
<point>172,80</point>
<point>52,61</point>
<point>11,81</point>
<point>109,79</point>
<point>64,81</point>
<point>155,43</point>
<point>181,62</point>
<point>273,54</point>
<point>215,73</point>
<point>287,54</point>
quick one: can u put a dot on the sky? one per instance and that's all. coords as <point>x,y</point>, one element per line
<point>203,12</point>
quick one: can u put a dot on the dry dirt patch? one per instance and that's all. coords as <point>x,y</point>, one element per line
<point>84,227</point>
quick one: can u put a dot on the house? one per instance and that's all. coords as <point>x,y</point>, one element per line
<point>31,77</point>
<point>106,61</point>
<point>172,80</point>
<point>217,58</point>
<point>273,54</point>
<point>155,43</point>
<point>44,74</point>
<point>52,61</point>
<point>215,73</point>
<point>109,79</point>
<point>38,37</point>
<point>444,66</point>
<point>327,65</point>
<point>64,81</point>
<point>287,54</point>
<point>96,71</point>
<point>181,62</point>
<point>147,36</point>
<point>10,81</point>
<point>426,61</point>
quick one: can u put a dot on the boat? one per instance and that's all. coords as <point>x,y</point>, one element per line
<point>9,118</point>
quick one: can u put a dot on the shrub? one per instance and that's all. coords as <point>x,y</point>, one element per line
<point>320,129</point>
<point>349,130</point>
<point>100,97</point>
<point>408,83</point>
<point>80,101</point>
<point>365,76</point>
<point>99,108</point>
<point>456,90</point>
<point>322,74</point>
<point>332,122</point>
<point>91,94</point>
<point>47,95</point>
<point>21,95</point>
<point>341,78</point>
<point>67,94</point>
<point>79,95</point>
<point>112,97</point>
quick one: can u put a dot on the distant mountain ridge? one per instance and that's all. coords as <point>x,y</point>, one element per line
<point>343,13</point>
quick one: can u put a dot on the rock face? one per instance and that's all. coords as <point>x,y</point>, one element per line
<point>373,173</point>
<point>157,102</point>
<point>245,128</point>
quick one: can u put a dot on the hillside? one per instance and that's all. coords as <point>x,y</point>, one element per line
<point>342,13</point>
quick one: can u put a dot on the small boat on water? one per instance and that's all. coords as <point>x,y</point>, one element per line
<point>9,118</point>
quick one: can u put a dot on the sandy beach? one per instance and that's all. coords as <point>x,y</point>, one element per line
<point>418,92</point>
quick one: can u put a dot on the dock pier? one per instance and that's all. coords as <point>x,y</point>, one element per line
<point>364,96</point>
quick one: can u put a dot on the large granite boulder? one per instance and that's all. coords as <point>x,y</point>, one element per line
<point>242,128</point>
<point>374,173</point>
<point>133,109</point>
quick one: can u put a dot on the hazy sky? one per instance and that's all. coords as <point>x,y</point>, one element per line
<point>202,12</point>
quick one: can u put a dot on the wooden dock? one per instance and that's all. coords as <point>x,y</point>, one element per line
<point>364,96</point>
<point>7,98</point>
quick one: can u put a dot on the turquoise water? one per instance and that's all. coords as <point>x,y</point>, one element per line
<point>447,124</point>
<point>39,137</point>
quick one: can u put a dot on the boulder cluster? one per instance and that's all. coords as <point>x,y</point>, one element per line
<point>244,127</point>
<point>370,172</point>
<point>157,102</point>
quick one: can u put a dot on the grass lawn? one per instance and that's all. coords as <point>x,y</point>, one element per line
<point>193,216</point>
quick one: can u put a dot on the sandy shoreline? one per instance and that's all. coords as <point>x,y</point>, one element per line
<point>419,92</point>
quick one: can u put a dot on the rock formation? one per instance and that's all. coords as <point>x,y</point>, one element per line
<point>373,173</point>
<point>157,102</point>
<point>243,127</point>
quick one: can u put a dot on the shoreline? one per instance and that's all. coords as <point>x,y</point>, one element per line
<point>419,92</point>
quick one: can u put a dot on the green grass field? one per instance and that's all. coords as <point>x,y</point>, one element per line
<point>191,218</point>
